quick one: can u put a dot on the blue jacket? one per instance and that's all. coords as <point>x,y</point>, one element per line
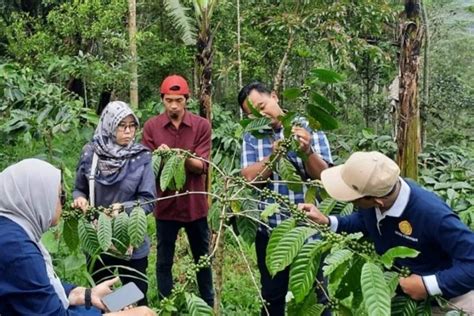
<point>139,184</point>
<point>25,288</point>
<point>428,225</point>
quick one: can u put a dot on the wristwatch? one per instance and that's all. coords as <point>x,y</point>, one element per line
<point>88,298</point>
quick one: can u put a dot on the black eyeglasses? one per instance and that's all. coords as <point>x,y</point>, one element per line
<point>123,126</point>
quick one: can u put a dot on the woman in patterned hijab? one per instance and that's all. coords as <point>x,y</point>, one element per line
<point>121,178</point>
<point>114,141</point>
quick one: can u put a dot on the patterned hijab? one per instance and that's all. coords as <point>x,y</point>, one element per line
<point>113,157</point>
<point>29,196</point>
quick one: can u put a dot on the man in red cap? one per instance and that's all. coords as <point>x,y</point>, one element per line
<point>178,128</point>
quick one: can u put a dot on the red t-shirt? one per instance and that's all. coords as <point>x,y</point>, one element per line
<point>194,134</point>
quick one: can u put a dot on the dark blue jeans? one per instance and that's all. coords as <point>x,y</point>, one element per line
<point>274,289</point>
<point>199,237</point>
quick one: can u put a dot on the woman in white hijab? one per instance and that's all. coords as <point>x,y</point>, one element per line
<point>30,203</point>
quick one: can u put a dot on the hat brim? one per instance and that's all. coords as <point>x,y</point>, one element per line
<point>336,187</point>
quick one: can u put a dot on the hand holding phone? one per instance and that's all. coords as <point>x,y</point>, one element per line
<point>119,299</point>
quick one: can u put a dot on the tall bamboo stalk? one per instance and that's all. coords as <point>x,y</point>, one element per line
<point>239,58</point>
<point>132,32</point>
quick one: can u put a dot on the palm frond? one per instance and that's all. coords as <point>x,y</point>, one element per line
<point>204,8</point>
<point>184,23</point>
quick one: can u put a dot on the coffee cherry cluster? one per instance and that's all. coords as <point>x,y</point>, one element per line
<point>240,181</point>
<point>333,304</point>
<point>297,214</point>
<point>267,194</point>
<point>332,237</point>
<point>203,262</point>
<point>177,289</point>
<point>70,213</point>
<point>362,246</point>
<point>405,272</point>
<point>91,214</point>
<point>165,154</point>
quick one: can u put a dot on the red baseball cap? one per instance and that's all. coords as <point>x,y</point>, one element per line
<point>174,84</point>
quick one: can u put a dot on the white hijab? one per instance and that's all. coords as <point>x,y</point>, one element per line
<point>29,196</point>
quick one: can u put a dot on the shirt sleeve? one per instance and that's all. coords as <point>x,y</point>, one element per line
<point>320,145</point>
<point>333,223</point>
<point>249,153</point>
<point>146,190</point>
<point>147,138</point>
<point>352,223</point>
<point>29,288</point>
<point>68,288</point>
<point>457,240</point>
<point>203,143</point>
<point>81,184</point>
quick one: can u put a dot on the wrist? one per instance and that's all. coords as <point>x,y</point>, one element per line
<point>328,221</point>
<point>76,296</point>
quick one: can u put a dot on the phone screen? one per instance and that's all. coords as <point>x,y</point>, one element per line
<point>126,295</point>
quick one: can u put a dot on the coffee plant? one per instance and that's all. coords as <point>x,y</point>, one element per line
<point>359,281</point>
<point>168,166</point>
<point>99,230</point>
<point>449,173</point>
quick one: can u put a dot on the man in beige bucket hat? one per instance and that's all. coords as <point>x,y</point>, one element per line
<point>396,212</point>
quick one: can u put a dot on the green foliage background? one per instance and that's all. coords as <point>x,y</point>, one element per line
<point>46,47</point>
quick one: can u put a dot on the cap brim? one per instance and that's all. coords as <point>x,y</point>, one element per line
<point>336,187</point>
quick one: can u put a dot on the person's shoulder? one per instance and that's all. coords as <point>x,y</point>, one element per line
<point>319,133</point>
<point>144,154</point>
<point>153,120</point>
<point>198,119</point>
<point>11,231</point>
<point>431,205</point>
<point>87,153</point>
<point>199,123</point>
<point>14,241</point>
<point>88,148</point>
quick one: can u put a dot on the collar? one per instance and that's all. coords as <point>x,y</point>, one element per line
<point>399,205</point>
<point>186,119</point>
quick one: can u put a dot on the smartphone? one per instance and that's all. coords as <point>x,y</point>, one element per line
<point>119,299</point>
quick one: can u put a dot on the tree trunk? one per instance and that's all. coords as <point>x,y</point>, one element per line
<point>367,91</point>
<point>279,75</point>
<point>239,58</point>
<point>408,135</point>
<point>132,31</point>
<point>426,87</point>
<point>204,58</point>
<point>196,76</point>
